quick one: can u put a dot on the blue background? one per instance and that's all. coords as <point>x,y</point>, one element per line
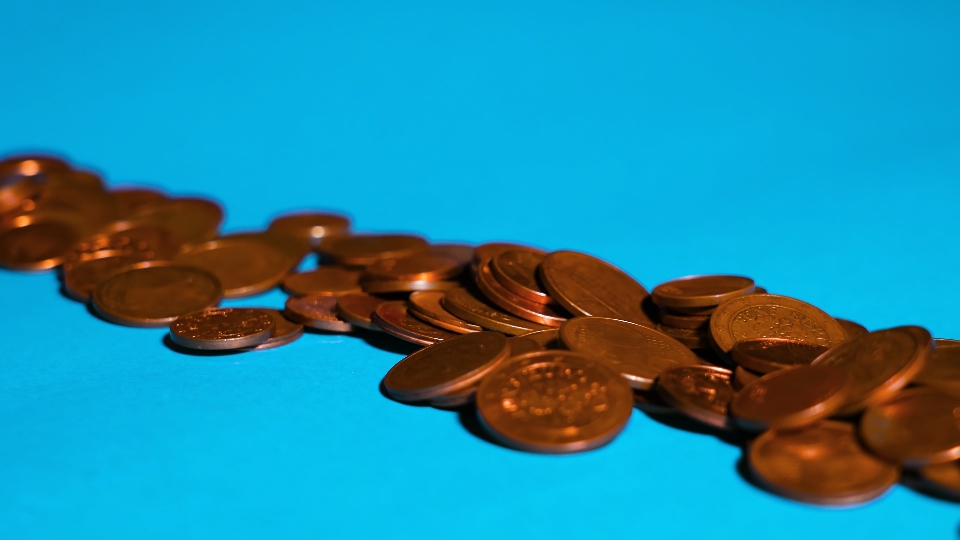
<point>815,148</point>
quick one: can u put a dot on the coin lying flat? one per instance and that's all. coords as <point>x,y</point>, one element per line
<point>942,368</point>
<point>36,242</point>
<point>682,320</point>
<point>358,308</point>
<point>694,339</point>
<point>545,314</point>
<point>316,311</point>
<point>916,427</point>
<point>772,316</point>
<point>640,354</point>
<point>330,281</point>
<point>852,329</point>
<point>423,266</point>
<point>554,402</point>
<point>492,249</point>
<point>191,219</point>
<point>790,398</point>
<point>80,279</point>
<point>393,318</point>
<point>702,392</point>
<point>310,227</point>
<point>516,270</point>
<point>244,267</point>
<point>820,464</point>
<point>131,200</point>
<point>284,331</point>
<point>154,294</point>
<point>701,291</point>
<point>291,247</point>
<point>462,253</point>
<point>364,250</point>
<point>766,355</point>
<point>461,303</point>
<point>139,235</point>
<point>222,328</point>
<point>426,306</point>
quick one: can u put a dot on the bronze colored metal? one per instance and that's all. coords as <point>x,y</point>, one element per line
<point>915,428</point>
<point>131,200</point>
<point>364,250</point>
<point>554,402</point>
<point>290,246</point>
<point>703,393</point>
<point>455,399</point>
<point>852,329</point>
<point>694,311</point>
<point>790,398</point>
<point>462,253</point>
<point>327,280</point>
<point>694,339</point>
<point>134,235</point>
<point>93,208</point>
<point>701,291</point>
<point>32,164</point>
<point>310,227</point>
<point>461,303</point>
<point>36,241</point>
<point>943,478</point>
<point>516,271</point>
<point>743,378</point>
<point>587,286</point>
<point>942,368</point>
<point>378,286</point>
<point>766,355</point>
<point>191,219</point>
<point>155,293</point>
<point>685,321</point>
<point>759,290</point>
<point>17,191</point>
<point>284,331</point>
<point>357,309</point>
<point>80,280</point>
<point>521,345</point>
<point>393,318</point>
<point>879,363</point>
<point>492,249</point>
<point>547,339</point>
<point>222,329</point>
<point>426,306</point>
<point>244,267</point>
<point>640,354</point>
<point>498,295</point>
<point>447,367</point>
<point>316,311</point>
<point>772,316</point>
<point>88,180</point>
<point>420,267</point>
<point>820,464</point>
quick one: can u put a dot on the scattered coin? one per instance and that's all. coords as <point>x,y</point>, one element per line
<point>423,266</point>
<point>650,402</point>
<point>316,311</point>
<point>462,253</point>
<point>380,286</point>
<point>515,305</point>
<point>852,329</point>
<point>701,291</point>
<point>131,200</point>
<point>743,377</point>
<point>547,339</point>
<point>772,316</point>
<point>702,392</point>
<point>694,339</point>
<point>943,478</point>
<point>492,249</point>
<point>393,318</point>
<point>766,355</point>
<point>329,281</point>
<point>191,219</point>
<point>516,270</point>
<point>37,241</point>
<point>364,250</point>
<point>80,280</point>
<point>310,227</point>
<point>426,306</point>
<point>790,398</point>
<point>914,428</point>
<point>682,320</point>
<point>942,368</point>
<point>284,331</point>
<point>222,329</point>
<point>358,308</point>
<point>461,303</point>
<point>244,267</point>
<point>521,345</point>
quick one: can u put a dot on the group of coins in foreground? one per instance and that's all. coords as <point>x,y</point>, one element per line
<point>553,350</point>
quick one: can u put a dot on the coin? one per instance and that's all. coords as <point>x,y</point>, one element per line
<point>547,339</point>
<point>461,303</point>
<point>393,318</point>
<point>310,227</point>
<point>852,329</point>
<point>638,353</point>
<point>743,377</point>
<point>942,368</point>
<point>772,316</point>
<point>284,331</point>
<point>364,250</point>
<point>357,309</point>
<point>455,399</point>
<point>191,219</point>
<point>766,355</point>
<point>446,367</point>
<point>420,267</point>
<point>516,270</point>
<point>91,208</point>
<point>36,242</point>
<point>462,253</point>
<point>879,363</point>
<point>498,295</point>
<point>521,345</point>
<point>694,339</point>
<point>155,293</point>
<point>554,402</point>
<point>790,398</point>
<point>492,249</point>
<point>587,286</point>
<point>316,311</point>
<point>378,286</point>
<point>682,320</point>
<point>221,328</point>
<point>80,280</point>
<point>291,247</point>
<point>426,306</point>
<point>916,427</point>
<point>943,478</point>
<point>137,235</point>
<point>131,200</point>
<point>244,267</point>
<point>701,291</point>
<point>16,191</point>
<point>820,464</point>
<point>701,392</point>
<point>329,280</point>
<point>87,180</point>
<point>32,164</point>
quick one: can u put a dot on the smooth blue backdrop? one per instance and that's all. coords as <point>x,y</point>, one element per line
<point>815,147</point>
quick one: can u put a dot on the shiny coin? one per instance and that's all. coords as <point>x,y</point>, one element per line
<point>364,250</point>
<point>461,303</point>
<point>284,331</point>
<point>701,392</point>
<point>462,253</point>
<point>916,427</point>
<point>640,354</point>
<point>942,368</point>
<point>310,227</point>
<point>328,280</point>
<point>743,377</point>
<point>426,306</point>
<point>943,478</point>
<point>682,320</point>
<point>547,315</point>
<point>693,339</point>
<point>358,308</point>
<point>32,164</point>
<point>772,316</point>
<point>291,247</point>
<point>80,280</point>
<point>554,402</point>
<point>492,249</point>
<point>92,208</point>
<point>36,242</point>
<point>244,267</point>
<point>852,329</point>
<point>790,398</point>
<point>191,219</point>
<point>316,311</point>
<point>222,329</point>
<point>547,339</point>
<point>421,267</point>
<point>701,291</point>
<point>380,286</point>
<point>393,318</point>
<point>131,200</point>
<point>766,355</point>
<point>455,399</point>
<point>516,270</point>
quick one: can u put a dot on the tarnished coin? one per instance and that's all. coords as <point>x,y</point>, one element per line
<point>131,200</point>
<point>694,339</point>
<point>879,363</point>
<point>80,280</point>
<point>554,402</point>
<point>222,328</point>
<point>310,227</point>
<point>640,354</point>
<point>284,331</point>
<point>36,242</point>
<point>790,398</point>
<point>378,286</point>
<point>461,303</point>
<point>244,267</point>
<point>496,293</point>
<point>446,367</point>
<point>316,311</point>
<point>943,478</point>
<point>154,294</point>
<point>942,368</point>
<point>701,291</point>
<point>547,339</point>
<point>852,329</point>
<point>426,306</point>
<point>420,267</point>
<point>771,316</point>
<point>191,219</point>
<point>328,280</point>
<point>516,270</point>
<point>743,378</point>
<point>916,427</point>
<point>585,285</point>
<point>682,320</point>
<point>393,318</point>
<point>358,308</point>
<point>364,250</point>
<point>820,464</point>
<point>702,392</point>
<point>766,355</point>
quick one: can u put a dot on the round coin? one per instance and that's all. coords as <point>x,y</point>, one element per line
<point>694,339</point>
<point>328,280</point>
<point>547,339</point>
<point>772,316</point>
<point>393,318</point>
<point>743,378</point>
<point>420,267</point>
<point>492,249</point>
<point>36,242</point>
<point>916,427</point>
<point>244,267</point>
<point>222,328</point>
<point>766,355</point>
<point>191,219</point>
<point>364,250</point>
<point>284,331</point>
<point>942,368</point>
<point>522,345</point>
<point>790,398</point>
<point>943,478</point>
<point>701,291</point>
<point>392,286</point>
<point>80,280</point>
<point>358,308</point>
<point>852,329</point>
<point>651,403</point>
<point>462,253</point>
<point>544,314</point>
<point>310,227</point>
<point>426,306</point>
<point>702,392</point>
<point>516,270</point>
<point>131,200</point>
<point>461,303</point>
<point>316,311</point>
<point>682,320</point>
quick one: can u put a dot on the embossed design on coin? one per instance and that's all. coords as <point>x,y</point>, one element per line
<point>772,316</point>
<point>702,392</point>
<point>222,328</point>
<point>516,270</point>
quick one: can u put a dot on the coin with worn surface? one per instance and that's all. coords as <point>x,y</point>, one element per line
<point>364,250</point>
<point>771,316</point>
<point>378,286</point>
<point>682,320</point>
<point>701,291</point>
<point>942,368</point>
<point>694,339</point>
<point>310,227</point>
<point>743,377</point>
<point>446,367</point>
<point>702,392</point>
<point>420,267</point>
<point>790,398</point>
<point>852,329</point>
<point>547,339</point>
<point>393,318</point>
<point>820,464</point>
<point>284,331</point>
<point>80,280</point>
<point>426,306</point>
<point>191,219</point>
<point>916,427</point>
<point>222,328</point>
<point>766,355</point>
<point>640,354</point>
<point>463,304</point>
<point>357,309</point>
<point>497,294</point>
<point>36,242</point>
<point>154,294</point>
<point>316,311</point>
<point>879,363</point>
<point>328,280</point>
<point>554,402</point>
<point>943,478</point>
<point>131,200</point>
<point>244,267</point>
<point>516,270</point>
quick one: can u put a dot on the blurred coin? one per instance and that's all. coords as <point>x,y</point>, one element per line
<point>461,303</point>
<point>766,355</point>
<point>772,316</point>
<point>328,280</point>
<point>492,249</point>
<point>516,270</point>
<point>37,242</point>
<point>420,267</point>
<point>942,368</point>
<point>289,246</point>
<point>191,218</point>
<point>521,345</point>
<point>682,320</point>
<point>497,294</point>
<point>547,339</point>
<point>284,331</point>
<point>382,286</point>
<point>92,208</point>
<point>701,392</point>
<point>130,200</point>
<point>790,398</point>
<point>80,280</point>
<point>87,180</point>
<point>358,308</point>
<point>222,328</point>
<point>426,306</point>
<point>32,164</point>
<point>316,311</point>
<point>743,378</point>
<point>914,428</point>
<point>694,339</point>
<point>136,235</point>
<point>364,250</point>
<point>943,478</point>
<point>17,191</point>
<point>456,399</point>
<point>310,227</point>
<point>244,267</point>
<point>851,328</point>
<point>701,291</point>
<point>393,318</point>
<point>462,253</point>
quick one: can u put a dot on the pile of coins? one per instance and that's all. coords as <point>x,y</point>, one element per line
<point>553,351</point>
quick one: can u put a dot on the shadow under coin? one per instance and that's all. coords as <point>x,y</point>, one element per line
<point>467,415</point>
<point>386,342</point>
<point>168,343</point>
<point>743,469</point>
<point>916,484</point>
<point>383,392</point>
<point>685,423</point>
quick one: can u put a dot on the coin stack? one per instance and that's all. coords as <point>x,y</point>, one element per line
<point>684,311</point>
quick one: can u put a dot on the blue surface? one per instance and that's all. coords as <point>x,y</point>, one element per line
<point>815,148</point>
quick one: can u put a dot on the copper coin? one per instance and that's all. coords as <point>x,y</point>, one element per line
<point>516,270</point>
<point>364,250</point>
<point>221,328</point>
<point>682,320</point>
<point>852,329</point>
<point>36,242</point>
<point>772,316</point>
<point>766,355</point>
<point>131,200</point>
<point>154,294</point>
<point>743,378</point>
<point>640,354</point>
<point>284,331</point>
<point>916,427</point>
<point>554,402</point>
<point>16,192</point>
<point>426,306</point>
<point>461,303</point>
<point>191,219</point>
<point>462,253</point>
<point>446,367</point>
<point>547,339</point>
<point>587,286</point>
<point>790,398</point>
<point>357,309</point>
<point>328,280</point>
<point>382,286</point>
<point>702,392</point>
<point>820,464</point>
<point>88,180</point>
<point>316,311</point>
<point>420,267</point>
<point>455,399</point>
<point>521,345</point>
<point>492,249</point>
<point>943,478</point>
<point>393,318</point>
<point>92,208</point>
<point>310,227</point>
<point>701,291</point>
<point>759,290</point>
<point>694,339</point>
<point>80,280</point>
<point>879,363</point>
<point>244,267</point>
<point>498,295</point>
<point>290,246</point>
<point>942,368</point>
<point>137,235</point>
<point>650,402</point>
<point>32,164</point>
<point>693,311</point>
